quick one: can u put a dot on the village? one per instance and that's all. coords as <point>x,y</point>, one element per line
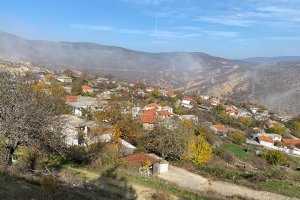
<point>151,106</point>
<point>162,134</point>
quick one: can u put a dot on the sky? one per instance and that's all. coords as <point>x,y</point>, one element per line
<point>226,28</point>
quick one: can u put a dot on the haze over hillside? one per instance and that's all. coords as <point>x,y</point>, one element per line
<point>276,85</point>
<point>272,59</point>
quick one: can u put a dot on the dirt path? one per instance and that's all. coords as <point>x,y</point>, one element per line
<point>195,182</point>
<point>142,192</point>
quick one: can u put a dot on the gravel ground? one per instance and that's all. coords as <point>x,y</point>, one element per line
<point>194,182</point>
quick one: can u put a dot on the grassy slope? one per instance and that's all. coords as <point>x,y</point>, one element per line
<point>236,149</point>
<point>146,181</point>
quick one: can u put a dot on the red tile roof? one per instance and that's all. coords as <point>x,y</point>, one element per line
<point>149,119</point>
<point>164,113</point>
<point>265,139</point>
<point>171,93</point>
<point>231,111</point>
<point>150,112</point>
<point>153,105</point>
<point>188,99</point>
<point>219,127</point>
<point>291,142</point>
<point>86,88</point>
<point>70,99</point>
<point>139,158</point>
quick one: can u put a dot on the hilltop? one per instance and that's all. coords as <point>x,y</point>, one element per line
<point>276,84</point>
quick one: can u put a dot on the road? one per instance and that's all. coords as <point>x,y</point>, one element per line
<point>197,183</point>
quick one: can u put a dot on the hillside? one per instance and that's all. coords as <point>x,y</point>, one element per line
<point>272,59</point>
<point>275,84</point>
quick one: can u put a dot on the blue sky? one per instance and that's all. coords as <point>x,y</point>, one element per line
<point>227,28</point>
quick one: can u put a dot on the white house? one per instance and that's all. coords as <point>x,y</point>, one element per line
<point>126,148</point>
<point>187,103</point>
<point>72,126</point>
<point>152,106</point>
<point>167,108</point>
<point>64,79</point>
<point>274,137</point>
<point>205,97</point>
<point>265,141</point>
<point>157,164</point>
<point>254,110</point>
<point>218,128</point>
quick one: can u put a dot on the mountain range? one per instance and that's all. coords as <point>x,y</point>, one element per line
<point>274,83</point>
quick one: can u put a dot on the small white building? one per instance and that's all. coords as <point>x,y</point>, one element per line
<point>187,103</point>
<point>274,137</point>
<point>64,79</point>
<point>265,141</point>
<point>167,108</point>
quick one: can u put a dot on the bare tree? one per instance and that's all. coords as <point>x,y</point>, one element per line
<point>169,143</point>
<point>27,117</point>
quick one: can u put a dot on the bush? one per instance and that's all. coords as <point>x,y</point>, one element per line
<point>259,162</point>
<point>274,157</point>
<point>49,183</point>
<point>237,138</point>
<point>225,155</point>
<point>161,195</point>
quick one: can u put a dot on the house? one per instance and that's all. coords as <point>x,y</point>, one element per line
<point>231,112</point>
<point>167,108</point>
<point>87,89</point>
<point>274,137</point>
<point>64,79</point>
<point>271,123</point>
<point>68,89</point>
<point>214,101</point>
<point>265,141</point>
<point>243,113</point>
<point>171,94</point>
<point>152,106</point>
<point>254,110</point>
<point>188,103</point>
<point>291,142</point>
<point>205,97</point>
<point>70,99</point>
<point>71,128</point>
<point>218,128</point>
<point>204,107</point>
<point>149,89</point>
<point>150,112</point>
<point>106,95</point>
<point>149,121</point>
<point>83,103</point>
<point>164,114</point>
<point>125,147</point>
<point>157,164</point>
<point>163,92</point>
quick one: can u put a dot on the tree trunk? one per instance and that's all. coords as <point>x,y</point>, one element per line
<point>10,149</point>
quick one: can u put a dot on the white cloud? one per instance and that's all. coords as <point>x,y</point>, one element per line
<point>226,20</point>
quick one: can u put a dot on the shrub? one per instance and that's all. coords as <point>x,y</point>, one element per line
<point>228,157</point>
<point>49,183</point>
<point>237,138</point>
<point>199,151</point>
<point>161,195</point>
<point>274,157</point>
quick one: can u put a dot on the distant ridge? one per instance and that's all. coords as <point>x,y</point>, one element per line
<point>266,80</point>
<point>272,59</point>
